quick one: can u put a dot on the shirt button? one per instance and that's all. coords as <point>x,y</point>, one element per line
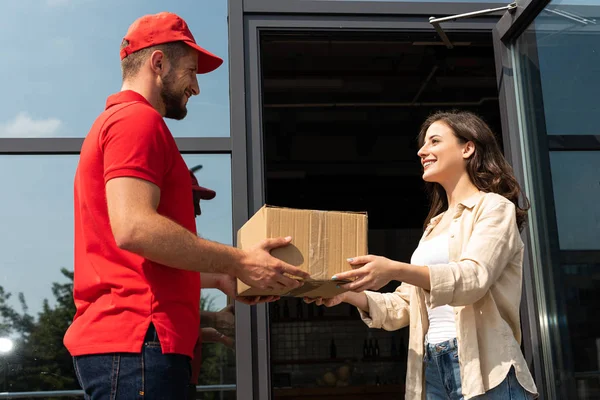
<point>452,235</point>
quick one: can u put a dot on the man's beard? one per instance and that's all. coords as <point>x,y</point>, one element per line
<point>174,107</point>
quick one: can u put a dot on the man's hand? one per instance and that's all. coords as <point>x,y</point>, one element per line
<point>211,335</point>
<point>218,327</point>
<point>228,285</point>
<point>261,270</point>
<point>225,320</point>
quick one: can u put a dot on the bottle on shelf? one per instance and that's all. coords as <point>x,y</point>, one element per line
<point>376,349</point>
<point>394,350</point>
<point>275,311</point>
<point>332,349</point>
<point>299,309</point>
<point>401,348</point>
<point>371,348</point>
<point>365,350</point>
<point>286,310</point>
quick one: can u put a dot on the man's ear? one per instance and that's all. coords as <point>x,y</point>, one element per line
<point>157,62</point>
<point>468,149</point>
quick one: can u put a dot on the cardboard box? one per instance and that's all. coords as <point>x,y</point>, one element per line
<point>322,241</point>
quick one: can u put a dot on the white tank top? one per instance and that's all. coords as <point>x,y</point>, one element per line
<point>442,325</point>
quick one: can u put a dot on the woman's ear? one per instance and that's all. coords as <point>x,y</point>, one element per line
<point>468,149</point>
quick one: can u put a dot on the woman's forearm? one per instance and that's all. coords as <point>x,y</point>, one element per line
<point>415,275</point>
<point>358,300</point>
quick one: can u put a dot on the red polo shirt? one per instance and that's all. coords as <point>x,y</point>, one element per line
<point>118,293</point>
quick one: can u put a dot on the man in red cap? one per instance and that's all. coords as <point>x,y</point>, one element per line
<point>138,258</point>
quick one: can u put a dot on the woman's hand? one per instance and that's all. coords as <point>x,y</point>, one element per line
<point>334,301</point>
<point>370,273</point>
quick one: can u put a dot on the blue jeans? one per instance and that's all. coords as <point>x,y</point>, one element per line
<point>147,375</point>
<point>442,377</point>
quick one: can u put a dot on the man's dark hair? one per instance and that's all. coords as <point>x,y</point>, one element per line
<point>131,64</point>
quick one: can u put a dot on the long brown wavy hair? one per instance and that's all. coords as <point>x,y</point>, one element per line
<point>487,168</point>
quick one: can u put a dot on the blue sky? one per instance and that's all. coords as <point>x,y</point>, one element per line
<point>61,61</point>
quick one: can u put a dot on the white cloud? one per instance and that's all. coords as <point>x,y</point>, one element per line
<point>24,126</point>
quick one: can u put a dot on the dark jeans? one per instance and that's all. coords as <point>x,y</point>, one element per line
<point>147,375</point>
<point>442,377</point>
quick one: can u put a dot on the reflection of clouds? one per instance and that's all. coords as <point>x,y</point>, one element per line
<point>25,126</point>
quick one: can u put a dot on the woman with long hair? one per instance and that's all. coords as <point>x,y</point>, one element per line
<point>461,292</point>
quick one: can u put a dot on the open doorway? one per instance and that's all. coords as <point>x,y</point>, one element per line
<point>341,113</point>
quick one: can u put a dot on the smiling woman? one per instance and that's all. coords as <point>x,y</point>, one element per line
<point>465,274</point>
<point>466,141</point>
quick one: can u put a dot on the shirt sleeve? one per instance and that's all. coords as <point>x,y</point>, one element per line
<point>390,311</point>
<point>134,145</point>
<point>493,243</point>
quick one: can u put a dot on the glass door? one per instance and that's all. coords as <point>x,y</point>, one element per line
<point>334,103</point>
<point>547,55</point>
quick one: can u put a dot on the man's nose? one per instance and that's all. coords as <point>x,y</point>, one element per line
<point>195,87</point>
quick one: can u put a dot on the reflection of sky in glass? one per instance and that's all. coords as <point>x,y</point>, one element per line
<point>576,185</point>
<point>569,64</point>
<point>36,238</point>
<point>61,61</point>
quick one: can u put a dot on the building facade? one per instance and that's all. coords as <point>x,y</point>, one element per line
<point>317,105</point>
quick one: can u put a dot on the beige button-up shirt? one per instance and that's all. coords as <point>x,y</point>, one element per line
<point>482,282</point>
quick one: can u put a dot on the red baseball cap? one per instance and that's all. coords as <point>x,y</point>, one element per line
<point>166,27</point>
<point>205,194</point>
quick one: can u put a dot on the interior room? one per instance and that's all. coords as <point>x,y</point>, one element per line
<point>341,114</point>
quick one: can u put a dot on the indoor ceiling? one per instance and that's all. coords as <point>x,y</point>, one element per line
<point>341,112</point>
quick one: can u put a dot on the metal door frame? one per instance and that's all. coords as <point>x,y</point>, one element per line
<point>247,20</point>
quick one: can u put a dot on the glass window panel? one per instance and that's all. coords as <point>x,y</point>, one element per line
<point>215,223</point>
<point>556,81</point>
<point>36,242</point>
<point>66,63</point>
<point>569,66</point>
<point>576,186</point>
